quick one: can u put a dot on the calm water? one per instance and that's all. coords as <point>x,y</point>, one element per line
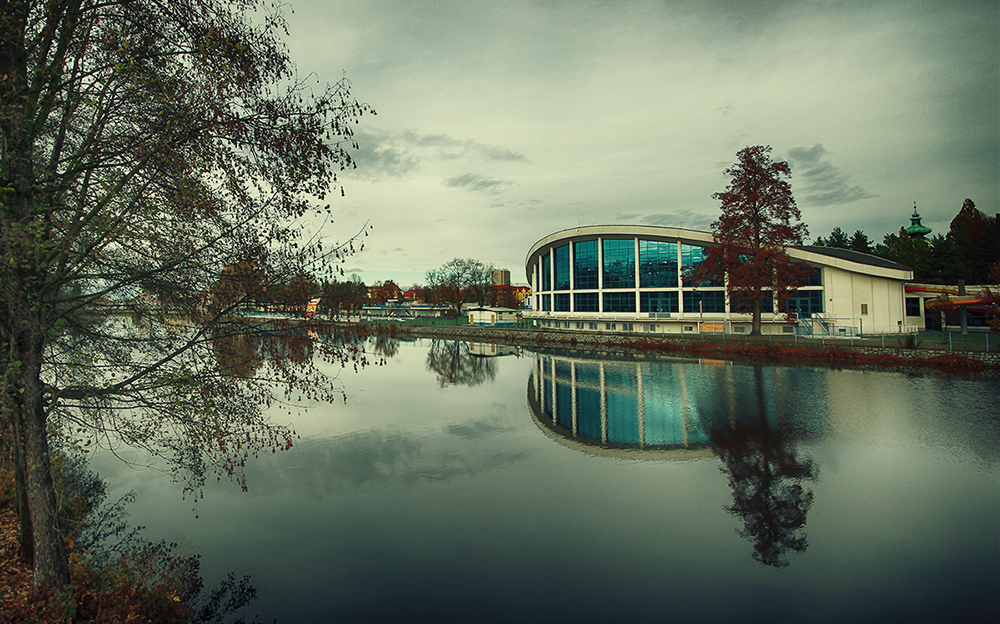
<point>557,487</point>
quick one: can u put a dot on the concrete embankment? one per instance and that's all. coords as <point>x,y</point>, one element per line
<point>740,348</point>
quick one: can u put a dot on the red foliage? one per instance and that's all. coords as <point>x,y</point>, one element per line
<point>759,220</point>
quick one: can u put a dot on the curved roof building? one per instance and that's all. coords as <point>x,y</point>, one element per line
<point>632,278</point>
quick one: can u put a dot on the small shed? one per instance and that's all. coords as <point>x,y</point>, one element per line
<point>493,317</point>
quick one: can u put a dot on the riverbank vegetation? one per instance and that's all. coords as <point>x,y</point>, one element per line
<point>116,577</point>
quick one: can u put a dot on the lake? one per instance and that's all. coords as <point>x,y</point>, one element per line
<point>477,483</point>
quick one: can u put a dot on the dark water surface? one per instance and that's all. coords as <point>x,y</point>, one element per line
<point>559,487</point>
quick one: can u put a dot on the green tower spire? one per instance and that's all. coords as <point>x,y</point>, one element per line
<point>916,229</point>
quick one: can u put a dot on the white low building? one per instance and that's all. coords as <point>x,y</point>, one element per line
<point>632,278</point>
<point>493,317</point>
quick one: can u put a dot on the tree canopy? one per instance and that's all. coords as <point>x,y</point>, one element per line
<point>964,252</point>
<point>460,280</point>
<point>151,150</point>
<point>759,219</point>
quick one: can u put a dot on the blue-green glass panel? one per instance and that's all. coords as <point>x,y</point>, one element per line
<point>562,268</point>
<point>659,302</point>
<point>585,302</point>
<point>619,263</point>
<point>657,264</point>
<point>585,264</point>
<point>562,302</point>
<point>546,273</point>
<point>619,301</point>
<point>691,257</point>
<point>710,301</point>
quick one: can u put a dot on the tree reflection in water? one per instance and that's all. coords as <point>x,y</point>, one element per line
<point>454,364</point>
<point>766,476</point>
<point>386,346</point>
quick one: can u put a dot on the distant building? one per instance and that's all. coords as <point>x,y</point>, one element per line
<point>501,277</point>
<point>492,316</point>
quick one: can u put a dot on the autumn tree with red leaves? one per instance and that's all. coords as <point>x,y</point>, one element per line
<point>149,148</point>
<point>759,220</point>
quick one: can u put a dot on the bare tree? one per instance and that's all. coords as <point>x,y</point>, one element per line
<point>146,147</point>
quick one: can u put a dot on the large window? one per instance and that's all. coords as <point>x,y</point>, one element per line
<point>562,268</point>
<point>619,301</point>
<point>546,273</point>
<point>561,302</point>
<point>696,301</point>
<point>585,302</point>
<point>806,302</point>
<point>585,265</point>
<point>658,302</point>
<point>691,257</point>
<point>657,264</point>
<point>546,303</point>
<point>912,306</point>
<point>815,277</point>
<point>619,264</point>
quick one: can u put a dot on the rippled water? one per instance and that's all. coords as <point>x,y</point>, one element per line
<point>556,486</point>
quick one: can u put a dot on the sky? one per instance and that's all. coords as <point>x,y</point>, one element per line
<point>499,123</point>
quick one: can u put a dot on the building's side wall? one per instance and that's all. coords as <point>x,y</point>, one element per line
<point>873,304</point>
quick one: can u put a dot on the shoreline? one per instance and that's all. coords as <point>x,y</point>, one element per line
<point>762,349</point>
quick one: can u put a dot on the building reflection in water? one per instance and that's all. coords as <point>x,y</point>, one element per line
<point>681,410</point>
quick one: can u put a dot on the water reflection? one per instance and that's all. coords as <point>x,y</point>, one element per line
<point>386,346</point>
<point>685,410</point>
<point>765,474</point>
<point>455,364</point>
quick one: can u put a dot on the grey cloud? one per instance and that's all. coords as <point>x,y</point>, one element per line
<point>477,183</point>
<point>385,155</point>
<point>822,184</point>
<point>450,148</point>
<point>681,219</point>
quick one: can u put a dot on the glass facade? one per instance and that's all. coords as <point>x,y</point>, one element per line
<point>659,302</point>
<point>585,264</point>
<point>704,301</point>
<point>561,302</point>
<point>619,301</point>
<point>657,264</point>
<point>691,257</point>
<point>561,268</point>
<point>585,302</point>
<point>806,302</point>
<point>815,277</point>
<point>619,263</point>
<point>546,272</point>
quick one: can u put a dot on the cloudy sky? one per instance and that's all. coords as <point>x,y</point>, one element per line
<point>501,122</point>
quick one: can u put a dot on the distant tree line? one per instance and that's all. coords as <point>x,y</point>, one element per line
<point>967,251</point>
<point>456,282</point>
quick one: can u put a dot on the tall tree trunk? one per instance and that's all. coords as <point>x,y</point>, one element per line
<point>51,566</point>
<point>14,415</point>
<point>755,317</point>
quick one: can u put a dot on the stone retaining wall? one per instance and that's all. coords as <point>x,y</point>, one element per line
<point>632,342</point>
